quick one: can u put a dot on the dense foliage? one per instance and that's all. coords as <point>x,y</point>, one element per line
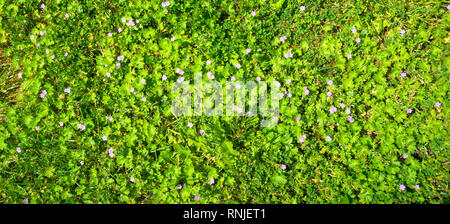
<point>363,115</point>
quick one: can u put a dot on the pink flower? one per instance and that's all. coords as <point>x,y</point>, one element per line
<point>302,138</point>
<point>172,39</point>
<point>297,118</point>
<point>190,125</point>
<point>119,30</point>
<point>109,34</point>
<point>42,6</point>
<point>353,30</point>
<point>108,74</point>
<point>350,119</point>
<point>253,13</point>
<point>289,95</point>
<point>437,104</point>
<point>47,51</point>
<point>403,74</point>
<point>328,138</point>
<point>402,32</point>
<point>67,15</point>
<point>208,62</point>
<point>341,105</point>
<point>248,50</point>
<point>43,93</point>
<point>61,124</point>
<point>211,181</point>
<point>143,99</point>
<point>19,75</point>
<point>278,84</point>
<point>330,82</point>
<point>18,150</point>
<point>405,156</point>
<point>281,95</point>
<point>402,187</point>
<point>163,78</point>
<point>32,37</point>
<point>104,138</point>
<point>306,91</point>
<point>110,118</point>
<point>118,64</point>
<point>41,33</point>
<point>210,75</point>
<point>233,78</point>
<point>181,79</point>
<point>132,89</point>
<point>238,66</point>
<point>409,110</point>
<point>81,127</point>
<point>357,40</point>
<point>333,109</point>
<point>65,54</point>
<point>202,132</point>
<point>288,55</point>
<point>36,128</point>
<point>53,56</point>
<point>81,163</point>
<point>132,179</point>
<point>179,71</point>
<point>302,8</point>
<point>111,152</point>
<point>249,114</point>
<point>348,111</point>
<point>37,44</point>
<point>283,38</point>
<point>197,197</point>
<point>329,93</point>
<point>349,56</point>
<point>143,81</point>
<point>67,90</point>
<point>120,58</point>
<point>164,4</point>
<point>283,166</point>
<point>417,186</point>
<point>258,79</point>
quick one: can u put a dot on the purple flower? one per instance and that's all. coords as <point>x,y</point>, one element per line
<point>353,30</point>
<point>403,74</point>
<point>179,71</point>
<point>36,128</point>
<point>143,99</point>
<point>47,51</point>
<point>19,75</point>
<point>211,181</point>
<point>190,125</point>
<point>81,127</point>
<point>249,114</point>
<point>43,93</point>
<point>81,163</point>
<point>402,187</point>
<point>409,110</point>
<point>283,38</point>
<point>437,104</point>
<point>210,75</point>
<point>289,95</point>
<point>302,138</point>
<point>297,118</point>
<point>350,119</point>
<point>111,152</point>
<point>328,138</point>
<point>202,132</point>
<point>402,32</point>
<point>37,44</point>
<point>283,166</point>
<point>164,4</point>
<point>179,186</point>
<point>109,34</point>
<point>61,124</point>
<point>67,90</point>
<point>18,150</point>
<point>110,118</point>
<point>65,54</point>
<point>278,84</point>
<point>130,23</point>
<point>197,197</point>
<point>357,40</point>
<point>333,109</point>
<point>288,81</point>
<point>132,89</point>
<point>53,56</point>
<point>42,6</point>
<point>405,156</point>
<point>417,186</point>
